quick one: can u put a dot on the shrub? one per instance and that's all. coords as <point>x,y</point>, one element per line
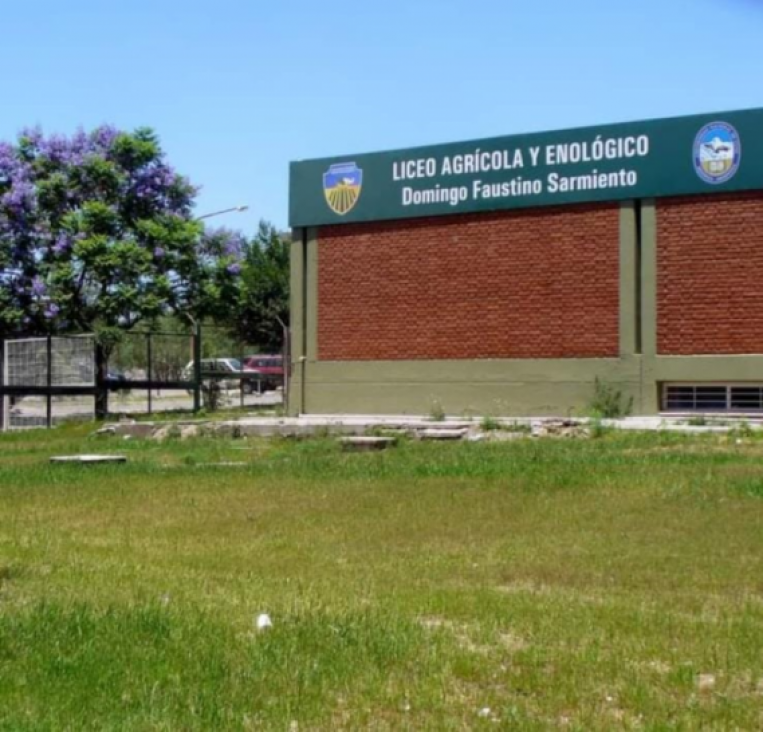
<point>436,412</point>
<point>609,402</point>
<point>742,431</point>
<point>489,424</point>
<point>597,429</point>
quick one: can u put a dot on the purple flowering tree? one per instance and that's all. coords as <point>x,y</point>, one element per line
<point>97,233</point>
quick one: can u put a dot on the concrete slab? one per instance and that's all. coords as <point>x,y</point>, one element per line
<point>366,444</point>
<point>89,459</point>
<point>359,425</point>
<point>442,434</point>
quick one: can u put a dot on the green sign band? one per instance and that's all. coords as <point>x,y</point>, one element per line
<point>707,153</point>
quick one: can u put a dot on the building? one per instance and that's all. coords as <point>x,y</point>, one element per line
<point>505,276</point>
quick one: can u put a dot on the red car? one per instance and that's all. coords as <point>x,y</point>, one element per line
<point>270,366</point>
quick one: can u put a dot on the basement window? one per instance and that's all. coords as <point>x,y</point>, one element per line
<point>712,398</point>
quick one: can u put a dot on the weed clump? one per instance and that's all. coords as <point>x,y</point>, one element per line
<point>699,421</point>
<point>489,424</point>
<point>436,412</point>
<point>609,402</point>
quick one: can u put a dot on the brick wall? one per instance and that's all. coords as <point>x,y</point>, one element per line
<point>530,284</point>
<point>710,275</point>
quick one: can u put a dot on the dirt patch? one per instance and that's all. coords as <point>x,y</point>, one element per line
<point>463,633</point>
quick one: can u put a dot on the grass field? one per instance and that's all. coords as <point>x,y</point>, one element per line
<point>598,584</point>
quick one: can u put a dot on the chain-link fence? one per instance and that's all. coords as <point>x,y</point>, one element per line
<point>46,381</point>
<point>151,372</point>
<point>240,374</point>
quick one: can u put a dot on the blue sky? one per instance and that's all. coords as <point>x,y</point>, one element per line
<point>238,88</point>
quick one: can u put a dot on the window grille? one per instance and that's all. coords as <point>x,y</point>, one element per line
<point>712,398</point>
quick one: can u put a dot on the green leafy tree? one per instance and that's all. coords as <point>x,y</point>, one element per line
<point>263,304</point>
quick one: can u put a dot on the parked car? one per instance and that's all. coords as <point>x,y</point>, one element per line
<point>270,366</point>
<point>227,373</point>
<point>114,375</point>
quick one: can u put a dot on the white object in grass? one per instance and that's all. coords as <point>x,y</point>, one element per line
<point>264,622</point>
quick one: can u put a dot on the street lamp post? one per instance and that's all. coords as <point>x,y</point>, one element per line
<point>235,209</point>
<point>196,338</point>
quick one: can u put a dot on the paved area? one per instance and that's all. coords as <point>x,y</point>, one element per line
<point>30,411</point>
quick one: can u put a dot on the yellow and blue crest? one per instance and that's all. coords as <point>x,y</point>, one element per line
<point>342,184</point>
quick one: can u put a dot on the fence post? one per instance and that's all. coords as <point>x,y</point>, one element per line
<point>49,383</point>
<point>241,383</point>
<point>2,385</point>
<point>286,360</point>
<point>101,387</point>
<point>149,370</point>
<point>197,368</point>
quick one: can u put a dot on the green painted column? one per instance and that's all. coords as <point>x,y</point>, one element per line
<point>649,387</point>
<point>629,280</point>
<point>297,322</point>
<point>311,295</point>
